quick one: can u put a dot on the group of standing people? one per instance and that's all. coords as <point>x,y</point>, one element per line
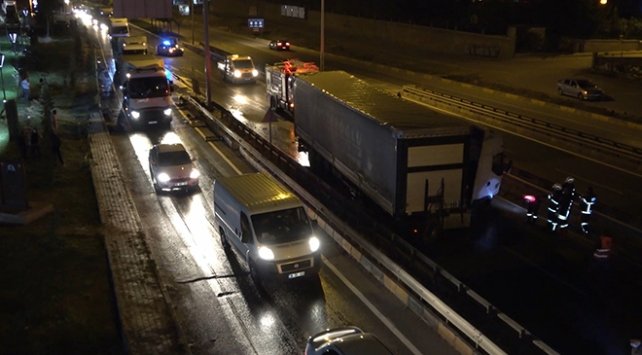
<point>560,203</point>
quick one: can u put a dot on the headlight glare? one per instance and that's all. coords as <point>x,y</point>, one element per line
<point>167,111</point>
<point>266,253</point>
<point>314,243</point>
<point>237,73</point>
<point>255,72</point>
<point>194,174</point>
<point>163,177</point>
<point>135,114</point>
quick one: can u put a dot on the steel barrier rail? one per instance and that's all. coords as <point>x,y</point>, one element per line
<point>605,148</point>
<point>450,316</point>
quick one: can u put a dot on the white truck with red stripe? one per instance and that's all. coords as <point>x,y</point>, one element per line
<point>279,78</point>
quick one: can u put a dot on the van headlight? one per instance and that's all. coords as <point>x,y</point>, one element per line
<point>237,73</point>
<point>266,253</point>
<point>255,72</point>
<point>135,114</point>
<point>167,112</point>
<point>194,174</point>
<point>163,177</point>
<point>314,244</point>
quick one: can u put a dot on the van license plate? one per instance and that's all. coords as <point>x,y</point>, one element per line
<point>152,122</point>
<point>294,275</point>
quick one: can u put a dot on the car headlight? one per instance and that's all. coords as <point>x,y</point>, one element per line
<point>266,253</point>
<point>171,50</point>
<point>167,111</point>
<point>124,44</point>
<point>163,177</point>
<point>194,174</point>
<point>255,72</point>
<point>135,114</point>
<point>237,73</point>
<point>314,243</point>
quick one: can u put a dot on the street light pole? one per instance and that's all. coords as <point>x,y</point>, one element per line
<point>206,45</point>
<point>322,44</point>
<point>191,5</point>
<point>4,94</point>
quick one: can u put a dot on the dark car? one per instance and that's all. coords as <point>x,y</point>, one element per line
<point>171,168</point>
<point>345,341</point>
<point>581,88</point>
<point>169,47</point>
<point>280,45</point>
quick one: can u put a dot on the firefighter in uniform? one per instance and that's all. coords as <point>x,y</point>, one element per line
<point>586,204</point>
<point>553,207</point>
<point>566,202</point>
<point>532,208</point>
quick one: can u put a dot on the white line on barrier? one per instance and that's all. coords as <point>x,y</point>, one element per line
<point>211,144</point>
<point>372,308</point>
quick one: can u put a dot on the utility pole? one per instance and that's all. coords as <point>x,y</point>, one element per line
<point>322,44</point>
<point>206,45</point>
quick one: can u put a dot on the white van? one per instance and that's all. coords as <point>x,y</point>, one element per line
<point>266,226</point>
<point>118,27</point>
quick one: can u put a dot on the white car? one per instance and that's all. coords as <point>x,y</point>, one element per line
<point>134,44</point>
<point>345,341</point>
<point>581,88</point>
<point>171,168</point>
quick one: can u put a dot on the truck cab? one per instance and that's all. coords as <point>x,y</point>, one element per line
<point>238,69</point>
<point>266,226</point>
<point>146,92</point>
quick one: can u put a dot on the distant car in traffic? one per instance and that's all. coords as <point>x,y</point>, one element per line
<point>171,168</point>
<point>581,88</point>
<point>280,44</point>
<point>169,46</point>
<point>345,341</point>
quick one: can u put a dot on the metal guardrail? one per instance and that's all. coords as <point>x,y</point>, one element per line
<point>630,157</point>
<point>250,143</point>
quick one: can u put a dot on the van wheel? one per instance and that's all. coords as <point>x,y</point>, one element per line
<point>226,245</point>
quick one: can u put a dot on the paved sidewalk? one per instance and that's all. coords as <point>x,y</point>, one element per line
<point>147,323</point>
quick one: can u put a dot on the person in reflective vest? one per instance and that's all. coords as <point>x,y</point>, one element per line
<point>566,202</point>
<point>586,205</point>
<point>553,207</point>
<point>532,208</point>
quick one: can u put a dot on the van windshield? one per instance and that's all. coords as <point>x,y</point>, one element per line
<point>281,226</point>
<point>243,64</point>
<point>148,87</point>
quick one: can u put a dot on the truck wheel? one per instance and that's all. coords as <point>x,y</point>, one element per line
<point>224,243</point>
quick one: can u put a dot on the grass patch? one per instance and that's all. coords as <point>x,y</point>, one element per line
<point>57,295</point>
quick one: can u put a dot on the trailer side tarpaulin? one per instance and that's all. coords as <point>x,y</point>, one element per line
<point>132,9</point>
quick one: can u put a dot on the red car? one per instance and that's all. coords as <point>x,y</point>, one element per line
<point>280,45</point>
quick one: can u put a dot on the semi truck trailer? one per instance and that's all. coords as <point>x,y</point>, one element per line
<point>425,169</point>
